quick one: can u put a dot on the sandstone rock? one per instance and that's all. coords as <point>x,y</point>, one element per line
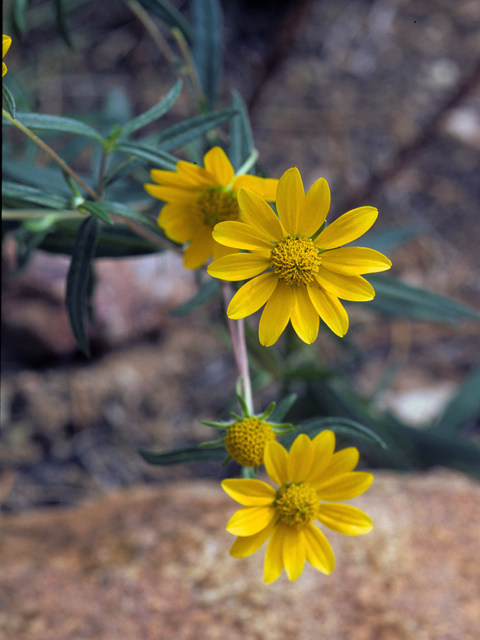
<point>153,563</point>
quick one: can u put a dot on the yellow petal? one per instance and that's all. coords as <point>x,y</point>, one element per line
<point>275,460</point>
<point>345,486</point>
<point>346,287</point>
<point>317,204</point>
<point>319,551</point>
<point>330,310</point>
<point>174,179</point>
<point>300,458</point>
<point>348,227</point>
<point>294,551</point>
<point>352,261</point>
<point>171,194</point>
<point>323,447</point>
<point>266,188</point>
<point>200,248</point>
<point>239,266</point>
<point>276,314</point>
<point>220,251</point>
<point>246,545</point>
<point>305,319</point>
<point>240,235</point>
<point>291,200</point>
<point>4,69</point>
<point>250,520</point>
<point>342,462</point>
<point>345,519</point>
<point>249,492</point>
<point>178,222</point>
<point>259,215</point>
<point>273,566</point>
<point>6,42</point>
<point>196,175</point>
<point>217,163</point>
<point>252,295</point>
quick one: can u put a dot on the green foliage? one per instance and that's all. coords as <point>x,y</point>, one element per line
<point>207,47</point>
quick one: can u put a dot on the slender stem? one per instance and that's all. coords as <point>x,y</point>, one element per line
<point>248,164</point>
<point>101,172</point>
<point>39,214</point>
<point>187,56</point>
<point>237,333</point>
<point>51,153</point>
<point>152,29</point>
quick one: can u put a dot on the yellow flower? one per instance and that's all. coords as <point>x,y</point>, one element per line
<point>245,440</point>
<point>6,42</point>
<point>306,273</point>
<point>311,479</point>
<point>198,198</point>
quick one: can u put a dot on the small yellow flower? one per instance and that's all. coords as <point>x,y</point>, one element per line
<point>6,42</point>
<point>198,198</point>
<point>311,479</point>
<point>306,271</point>
<point>246,439</point>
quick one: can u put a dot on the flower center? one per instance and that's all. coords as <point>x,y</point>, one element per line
<point>218,205</point>
<point>245,441</point>
<point>295,260</point>
<point>296,504</point>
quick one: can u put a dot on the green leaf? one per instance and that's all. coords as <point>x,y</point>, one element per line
<point>78,279</point>
<point>183,454</point>
<point>113,242</point>
<point>389,239</point>
<point>155,156</point>
<point>8,100</point>
<point>207,49</point>
<point>170,15</point>
<point>183,132</point>
<point>207,291</point>
<point>241,138</point>
<point>283,407</point>
<point>27,241</point>
<point>394,297</point>
<point>338,425</point>
<point>155,112</point>
<point>20,196</point>
<point>19,10</point>
<point>61,23</point>
<point>21,172</point>
<point>97,210</point>
<point>126,211</point>
<point>57,123</point>
<point>463,408</point>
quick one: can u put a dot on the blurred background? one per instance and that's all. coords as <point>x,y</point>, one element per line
<point>380,97</point>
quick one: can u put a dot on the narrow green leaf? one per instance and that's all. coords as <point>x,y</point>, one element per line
<point>389,239</point>
<point>394,297</point>
<point>21,172</point>
<point>338,425</point>
<point>183,132</point>
<point>8,100</point>
<point>241,138</point>
<point>207,291</point>
<point>207,49</point>
<point>62,24</point>
<point>78,278</point>
<point>97,210</point>
<point>113,242</point>
<point>155,112</point>
<point>463,408</point>
<point>157,157</point>
<point>170,15</point>
<point>57,123</point>
<point>126,211</point>
<point>183,454</point>
<point>283,407</point>
<point>19,195</point>
<point>19,9</point>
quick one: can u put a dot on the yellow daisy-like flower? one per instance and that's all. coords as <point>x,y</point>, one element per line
<point>198,198</point>
<point>6,42</point>
<point>311,479</point>
<point>246,439</point>
<point>306,273</point>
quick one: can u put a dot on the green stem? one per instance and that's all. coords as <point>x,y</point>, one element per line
<point>152,29</point>
<point>248,164</point>
<point>38,214</point>
<point>48,150</point>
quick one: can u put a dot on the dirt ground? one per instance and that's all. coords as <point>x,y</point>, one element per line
<point>381,98</point>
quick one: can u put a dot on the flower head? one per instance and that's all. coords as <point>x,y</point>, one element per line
<point>6,42</point>
<point>311,479</point>
<point>245,440</point>
<point>297,269</point>
<point>198,198</point>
